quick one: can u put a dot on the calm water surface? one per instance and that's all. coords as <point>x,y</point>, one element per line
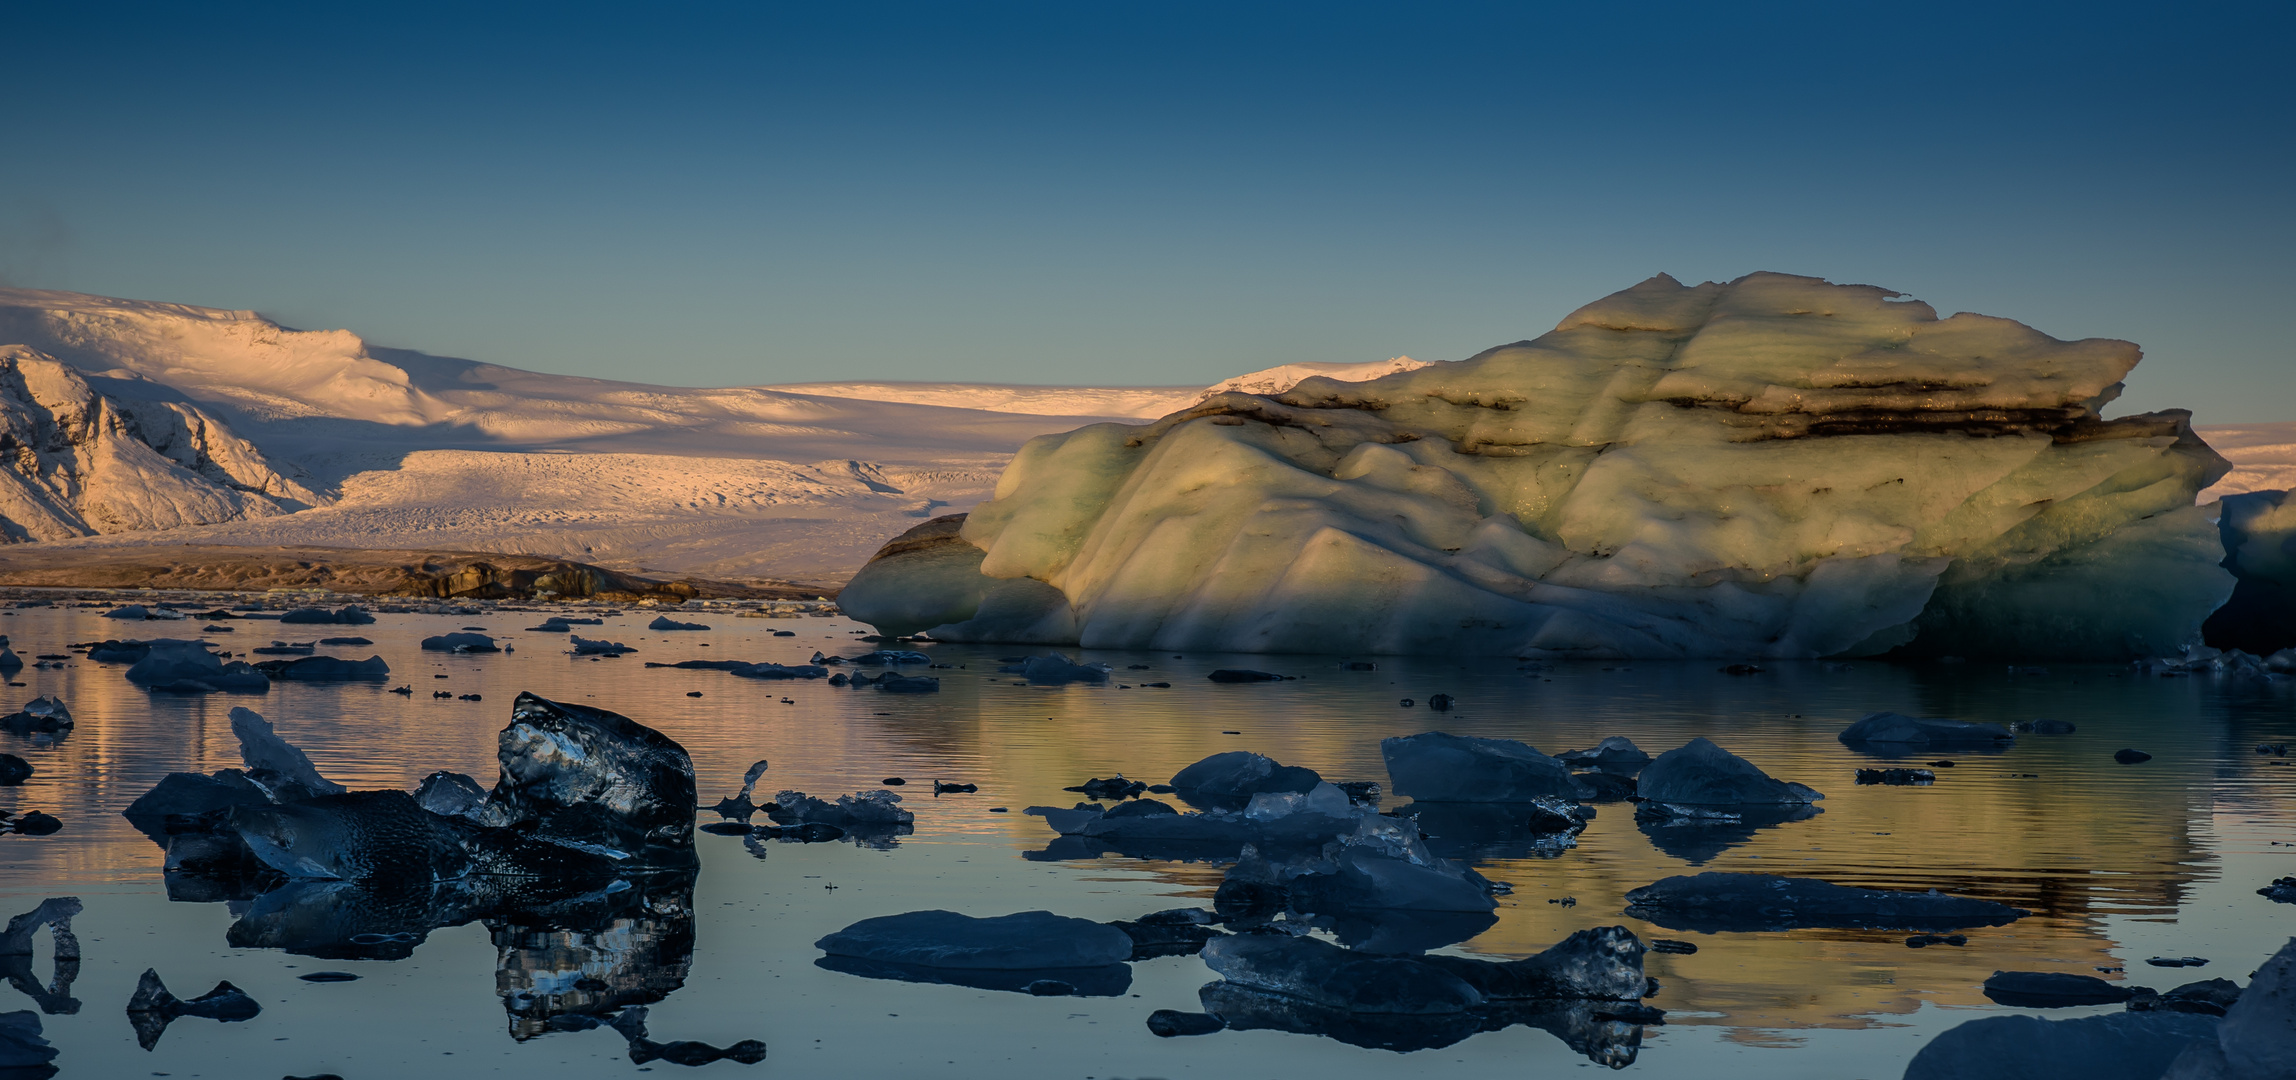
<point>2119,863</point>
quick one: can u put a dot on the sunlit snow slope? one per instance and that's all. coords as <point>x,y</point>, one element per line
<point>414,450</point>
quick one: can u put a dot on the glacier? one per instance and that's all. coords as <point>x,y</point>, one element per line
<point>402,450</point>
<point>1772,467</point>
<point>76,461</point>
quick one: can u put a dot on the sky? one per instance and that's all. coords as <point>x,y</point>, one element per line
<point>1150,194</point>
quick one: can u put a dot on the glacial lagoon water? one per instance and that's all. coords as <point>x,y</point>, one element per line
<point>2119,863</point>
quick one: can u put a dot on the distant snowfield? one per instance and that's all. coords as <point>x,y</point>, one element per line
<point>796,482</point>
<point>2263,457</point>
<point>799,482</point>
<point>730,518</point>
<point>1133,403</point>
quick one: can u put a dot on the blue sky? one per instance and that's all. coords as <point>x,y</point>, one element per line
<point>1150,194</point>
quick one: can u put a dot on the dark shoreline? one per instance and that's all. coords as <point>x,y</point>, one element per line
<point>364,572</point>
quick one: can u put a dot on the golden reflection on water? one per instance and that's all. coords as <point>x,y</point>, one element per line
<point>2053,825</point>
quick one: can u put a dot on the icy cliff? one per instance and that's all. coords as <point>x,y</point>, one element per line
<point>1774,467</point>
<point>76,462</point>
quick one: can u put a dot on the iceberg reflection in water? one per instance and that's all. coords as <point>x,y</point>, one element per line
<point>2116,863</point>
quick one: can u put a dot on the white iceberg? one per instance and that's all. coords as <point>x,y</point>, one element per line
<point>1773,467</point>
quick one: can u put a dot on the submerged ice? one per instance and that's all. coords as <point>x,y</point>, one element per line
<point>1773,467</point>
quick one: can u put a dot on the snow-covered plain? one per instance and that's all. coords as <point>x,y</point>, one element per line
<point>2263,457</point>
<point>402,449</point>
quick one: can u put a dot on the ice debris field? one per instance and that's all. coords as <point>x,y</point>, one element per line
<point>1374,904</point>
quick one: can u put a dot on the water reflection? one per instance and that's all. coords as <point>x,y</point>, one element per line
<point>16,944</point>
<point>1484,831</point>
<point>1699,839</point>
<point>1606,1033</point>
<point>1107,980</point>
<point>2101,853</point>
<point>1402,931</point>
<point>594,957</point>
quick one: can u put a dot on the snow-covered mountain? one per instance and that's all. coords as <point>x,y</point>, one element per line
<point>75,461</point>
<point>340,442</point>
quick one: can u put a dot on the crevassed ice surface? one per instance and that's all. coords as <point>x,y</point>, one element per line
<point>1773,467</point>
<point>2119,863</point>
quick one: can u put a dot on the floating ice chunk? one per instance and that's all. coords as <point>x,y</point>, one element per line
<point>778,671</point>
<point>1241,774</point>
<point>327,669</point>
<point>187,667</point>
<point>1057,668</point>
<point>350,615</point>
<point>282,771</point>
<point>139,611</point>
<point>45,713</point>
<point>1718,902</point>
<point>355,836</point>
<point>191,795</point>
<point>883,657</point>
<point>577,775</point>
<point>864,809</point>
<point>1615,753</point>
<point>450,794</point>
<point>1291,820</point>
<point>460,642</point>
<point>738,807</point>
<point>2257,1037</point>
<point>1324,798</point>
<point>1435,767</point>
<point>1884,730</point>
<point>2258,530</point>
<point>1700,773</point>
<point>2052,989</point>
<point>1381,864</point>
<point>1025,940</point>
<point>2116,1046</point>
<point>894,683</point>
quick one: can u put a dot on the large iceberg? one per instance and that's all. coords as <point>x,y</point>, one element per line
<point>1773,467</point>
<point>2258,529</point>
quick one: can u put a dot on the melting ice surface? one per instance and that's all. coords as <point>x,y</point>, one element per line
<point>2119,862</point>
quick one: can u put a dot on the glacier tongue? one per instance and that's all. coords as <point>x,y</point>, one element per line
<point>1773,467</point>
